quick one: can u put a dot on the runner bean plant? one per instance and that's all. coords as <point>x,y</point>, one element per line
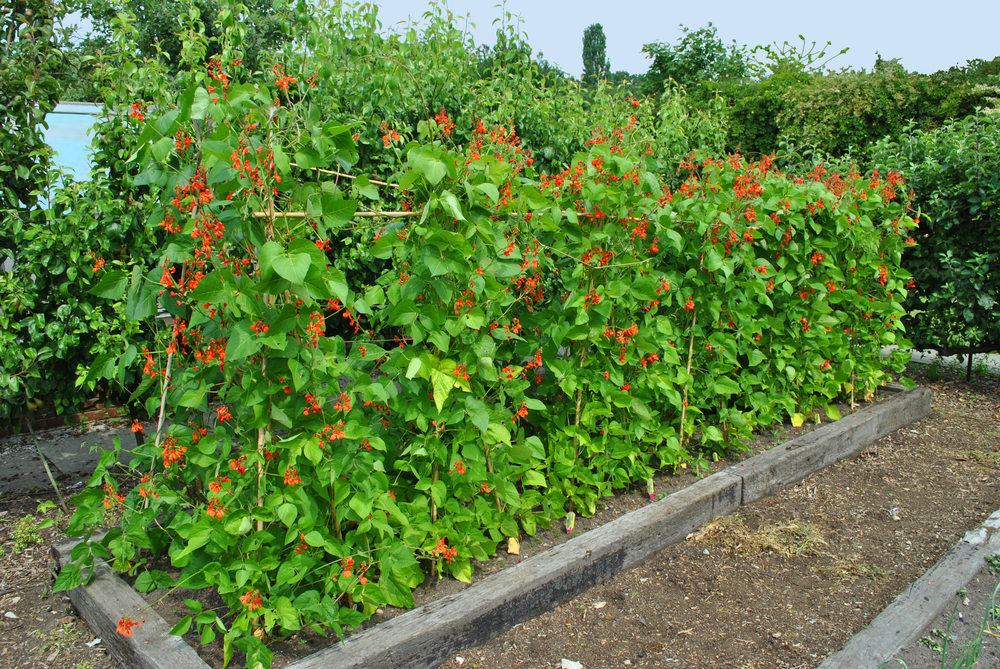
<point>536,341</point>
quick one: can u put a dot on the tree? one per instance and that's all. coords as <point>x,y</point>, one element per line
<point>30,60</point>
<point>701,55</point>
<point>158,32</point>
<point>595,59</point>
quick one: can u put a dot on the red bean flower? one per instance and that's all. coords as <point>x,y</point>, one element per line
<point>125,625</point>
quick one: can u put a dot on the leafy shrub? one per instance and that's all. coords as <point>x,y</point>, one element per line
<point>59,235</point>
<point>955,175</point>
<point>700,56</point>
<point>29,62</point>
<point>844,112</point>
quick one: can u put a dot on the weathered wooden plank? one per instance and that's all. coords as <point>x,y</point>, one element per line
<point>103,603</point>
<point>772,471</point>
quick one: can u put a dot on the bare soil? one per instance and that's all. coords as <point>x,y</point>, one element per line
<point>37,628</point>
<point>783,583</point>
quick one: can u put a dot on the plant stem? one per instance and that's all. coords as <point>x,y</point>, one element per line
<point>694,322</point>
<point>45,463</point>
<point>852,390</point>
<point>434,508</point>
<point>159,421</point>
<point>333,507</point>
<point>260,456</point>
<point>489,468</point>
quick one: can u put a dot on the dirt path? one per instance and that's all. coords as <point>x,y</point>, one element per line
<point>37,629</point>
<point>787,580</point>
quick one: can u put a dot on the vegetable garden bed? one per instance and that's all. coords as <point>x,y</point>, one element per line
<point>426,636</point>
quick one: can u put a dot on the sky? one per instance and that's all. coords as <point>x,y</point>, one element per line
<point>926,36</point>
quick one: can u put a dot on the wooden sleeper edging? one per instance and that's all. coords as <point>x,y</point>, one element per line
<point>103,603</point>
<point>905,619</point>
<point>429,635</point>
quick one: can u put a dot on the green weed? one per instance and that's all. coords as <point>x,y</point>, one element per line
<point>968,653</point>
<point>980,367</point>
<point>26,532</point>
<point>59,638</point>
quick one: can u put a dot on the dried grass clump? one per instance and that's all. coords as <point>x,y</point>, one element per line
<point>851,568</point>
<point>790,539</point>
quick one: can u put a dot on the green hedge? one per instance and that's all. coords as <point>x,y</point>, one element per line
<point>954,172</point>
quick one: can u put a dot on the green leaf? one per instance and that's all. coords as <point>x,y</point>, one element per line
<point>452,205</point>
<point>396,590</point>
<point>478,412</point>
<point>193,398</point>
<point>475,318</point>
<point>434,171</point>
<point>435,264</point>
<point>439,492</point>
<point>726,386</point>
<point>148,176</point>
<point>364,186</point>
<point>279,415</point>
<point>70,577</point>
<point>535,478</point>
<point>161,149</point>
<point>309,158</point>
<point>103,367</point>
<point>442,383</point>
<point>213,289</point>
<point>832,412</point>
<point>280,159</point>
<point>312,451</point>
<point>461,569</point>
<point>111,286</point>
<point>499,433</point>
<point>403,313</point>
<point>292,267</point>
<point>287,513</point>
<point>238,524</point>
<point>533,197</point>
<point>141,298</point>
<point>440,339</point>
<point>242,342</point>
<point>182,626</point>
<point>713,433</point>
<point>200,105</point>
<point>299,372</point>
<point>490,191</point>
<point>151,580</point>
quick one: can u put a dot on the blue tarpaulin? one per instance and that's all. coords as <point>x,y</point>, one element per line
<point>67,134</point>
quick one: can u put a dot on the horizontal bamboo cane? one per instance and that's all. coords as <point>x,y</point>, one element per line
<point>341,174</point>
<point>357,214</point>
